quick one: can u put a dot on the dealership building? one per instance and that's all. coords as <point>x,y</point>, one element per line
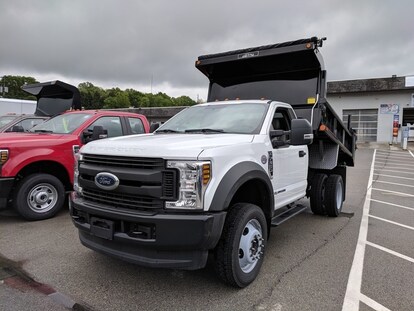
<point>376,106</point>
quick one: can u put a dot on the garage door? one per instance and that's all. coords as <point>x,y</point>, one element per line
<point>364,121</point>
<point>408,116</point>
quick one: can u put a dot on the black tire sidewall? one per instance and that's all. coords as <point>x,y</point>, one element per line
<point>318,194</point>
<point>246,212</point>
<point>28,183</point>
<point>332,187</point>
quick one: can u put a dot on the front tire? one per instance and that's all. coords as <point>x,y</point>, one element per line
<point>39,196</point>
<point>240,251</point>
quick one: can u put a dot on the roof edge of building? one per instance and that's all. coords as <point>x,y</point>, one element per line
<point>393,83</point>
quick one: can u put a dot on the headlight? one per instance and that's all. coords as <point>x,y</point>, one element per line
<point>78,158</point>
<point>194,177</point>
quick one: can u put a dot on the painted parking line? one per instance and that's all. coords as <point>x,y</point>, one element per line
<point>407,160</point>
<point>395,168</point>
<point>393,176</point>
<point>395,171</point>
<point>353,288</point>
<point>373,304</point>
<point>394,183</point>
<point>390,251</point>
<point>395,164</point>
<point>405,155</point>
<point>403,194</point>
<point>393,204</point>
<point>391,222</point>
<point>353,295</point>
<point>394,153</point>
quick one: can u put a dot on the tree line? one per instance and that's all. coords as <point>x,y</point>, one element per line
<point>95,97</point>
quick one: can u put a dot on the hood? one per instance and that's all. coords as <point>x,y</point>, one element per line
<point>21,140</point>
<point>54,97</point>
<point>172,146</point>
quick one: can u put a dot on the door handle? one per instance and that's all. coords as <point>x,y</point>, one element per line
<point>302,154</point>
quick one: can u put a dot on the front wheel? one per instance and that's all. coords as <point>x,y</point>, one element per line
<point>240,251</point>
<point>39,196</point>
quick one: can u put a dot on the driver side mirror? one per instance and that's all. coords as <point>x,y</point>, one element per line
<point>98,132</point>
<point>154,126</point>
<point>301,133</point>
<point>17,128</point>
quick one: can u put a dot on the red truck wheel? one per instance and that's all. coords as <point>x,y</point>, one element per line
<point>39,196</point>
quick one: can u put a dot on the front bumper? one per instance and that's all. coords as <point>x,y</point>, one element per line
<point>147,238</point>
<point>6,185</point>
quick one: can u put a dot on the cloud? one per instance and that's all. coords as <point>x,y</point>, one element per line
<point>131,43</point>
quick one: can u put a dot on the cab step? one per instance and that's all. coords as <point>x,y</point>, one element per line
<point>286,215</point>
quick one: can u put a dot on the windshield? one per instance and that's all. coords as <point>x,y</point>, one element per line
<point>6,120</point>
<point>241,118</point>
<point>62,124</point>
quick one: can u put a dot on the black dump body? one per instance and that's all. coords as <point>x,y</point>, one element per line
<point>291,72</point>
<point>54,97</point>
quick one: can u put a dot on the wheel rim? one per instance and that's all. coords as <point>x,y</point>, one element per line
<point>42,198</point>
<point>251,246</point>
<point>339,196</point>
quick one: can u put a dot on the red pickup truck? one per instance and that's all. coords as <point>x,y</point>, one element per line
<point>36,167</point>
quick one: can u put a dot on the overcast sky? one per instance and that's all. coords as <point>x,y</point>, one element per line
<point>130,43</point>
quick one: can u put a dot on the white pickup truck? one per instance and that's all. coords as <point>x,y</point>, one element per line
<point>217,176</point>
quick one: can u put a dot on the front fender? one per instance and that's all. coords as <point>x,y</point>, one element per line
<point>18,161</point>
<point>234,179</point>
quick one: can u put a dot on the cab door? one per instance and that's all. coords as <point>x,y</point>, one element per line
<point>290,163</point>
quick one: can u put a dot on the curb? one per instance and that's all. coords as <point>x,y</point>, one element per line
<point>15,277</point>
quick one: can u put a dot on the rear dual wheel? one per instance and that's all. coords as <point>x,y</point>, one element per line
<point>334,195</point>
<point>327,194</point>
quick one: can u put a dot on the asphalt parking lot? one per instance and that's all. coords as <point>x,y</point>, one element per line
<point>382,274</point>
<point>360,260</point>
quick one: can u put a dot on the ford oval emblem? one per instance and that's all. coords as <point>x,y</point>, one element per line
<point>106,181</point>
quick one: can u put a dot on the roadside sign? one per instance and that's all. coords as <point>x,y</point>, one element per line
<point>395,125</point>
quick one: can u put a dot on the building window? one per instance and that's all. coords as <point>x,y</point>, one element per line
<point>364,122</point>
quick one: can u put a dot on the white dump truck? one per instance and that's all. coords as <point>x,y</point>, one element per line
<point>217,176</point>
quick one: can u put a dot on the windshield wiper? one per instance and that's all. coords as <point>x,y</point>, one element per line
<point>205,130</point>
<point>43,131</point>
<point>167,131</point>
